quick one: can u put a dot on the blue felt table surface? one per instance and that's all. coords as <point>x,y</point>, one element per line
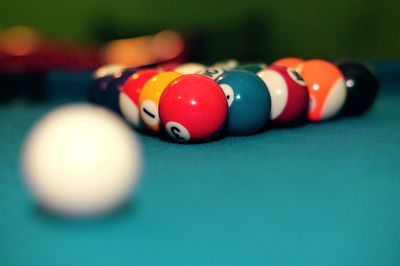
<point>319,194</point>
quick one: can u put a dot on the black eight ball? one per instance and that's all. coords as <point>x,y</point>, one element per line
<point>362,87</point>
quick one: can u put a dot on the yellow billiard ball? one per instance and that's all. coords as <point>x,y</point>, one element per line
<point>150,96</point>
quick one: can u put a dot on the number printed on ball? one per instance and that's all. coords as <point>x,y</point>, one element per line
<point>212,72</point>
<point>296,77</point>
<point>177,131</point>
<point>149,113</point>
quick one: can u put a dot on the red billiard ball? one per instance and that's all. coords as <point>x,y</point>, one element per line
<point>289,94</point>
<point>193,108</point>
<point>129,96</point>
<point>326,86</point>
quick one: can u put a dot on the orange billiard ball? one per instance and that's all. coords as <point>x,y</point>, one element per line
<point>326,86</point>
<point>291,62</point>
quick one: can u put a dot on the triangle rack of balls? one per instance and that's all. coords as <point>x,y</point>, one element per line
<point>193,102</point>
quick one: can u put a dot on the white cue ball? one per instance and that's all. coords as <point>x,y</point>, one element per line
<point>81,160</point>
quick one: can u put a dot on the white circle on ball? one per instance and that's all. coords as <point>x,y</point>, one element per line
<point>129,110</point>
<point>177,131</point>
<point>229,93</point>
<point>81,160</point>
<point>278,90</point>
<point>149,113</point>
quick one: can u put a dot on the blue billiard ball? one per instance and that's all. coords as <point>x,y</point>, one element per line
<point>249,101</point>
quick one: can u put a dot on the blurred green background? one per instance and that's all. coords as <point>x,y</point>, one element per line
<point>248,30</point>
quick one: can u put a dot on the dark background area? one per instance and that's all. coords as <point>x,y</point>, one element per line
<point>247,30</point>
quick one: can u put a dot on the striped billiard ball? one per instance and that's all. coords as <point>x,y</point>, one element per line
<point>289,95</point>
<point>326,86</point>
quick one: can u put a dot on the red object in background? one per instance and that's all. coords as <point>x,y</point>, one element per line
<point>49,56</point>
<point>24,50</point>
<point>193,108</point>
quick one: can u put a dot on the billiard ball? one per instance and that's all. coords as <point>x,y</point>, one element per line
<point>101,77</point>
<point>110,95</point>
<point>106,86</point>
<point>149,98</point>
<point>226,64</point>
<point>292,62</point>
<point>81,160</point>
<point>190,68</point>
<point>193,108</point>
<point>326,87</point>
<point>252,67</point>
<point>108,70</point>
<point>289,95</point>
<point>248,99</point>
<point>362,87</point>
<point>129,96</point>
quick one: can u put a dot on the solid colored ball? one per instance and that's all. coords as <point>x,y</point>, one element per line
<point>326,87</point>
<point>248,99</point>
<point>150,96</point>
<point>289,94</point>
<point>110,95</point>
<point>193,108</point>
<point>291,62</point>
<point>362,87</point>
<point>81,160</point>
<point>129,96</point>
<point>101,77</point>
<point>190,68</point>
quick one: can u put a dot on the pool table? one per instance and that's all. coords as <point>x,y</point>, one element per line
<point>318,194</point>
